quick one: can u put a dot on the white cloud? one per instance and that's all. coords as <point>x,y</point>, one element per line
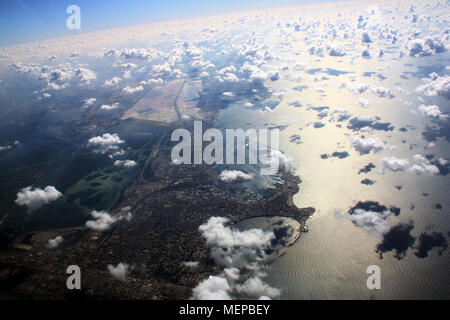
<point>394,164</point>
<point>422,165</point>
<point>108,107</point>
<point>232,175</point>
<point>106,143</point>
<point>228,77</point>
<point>35,198</point>
<point>128,66</point>
<point>436,86</point>
<point>431,111</point>
<point>321,77</point>
<point>104,220</point>
<point>85,75</point>
<point>318,51</point>
<point>89,101</point>
<point>112,82</point>
<point>120,271</point>
<point>213,288</point>
<point>425,47</point>
<point>382,92</point>
<point>366,53</point>
<point>359,88</point>
<point>373,222</point>
<point>162,69</point>
<point>279,160</point>
<point>365,146</point>
<point>266,109</point>
<point>366,118</point>
<point>366,38</point>
<point>379,91</point>
<point>133,89</point>
<point>55,78</point>
<point>254,287</point>
<point>55,242</point>
<point>372,19</point>
<point>229,69</point>
<point>140,53</point>
<point>219,235</point>
<point>125,163</point>
<point>254,73</point>
<point>336,51</point>
<point>363,103</point>
<point>241,254</point>
<point>442,161</point>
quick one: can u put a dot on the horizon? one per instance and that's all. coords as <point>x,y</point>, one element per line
<point>26,21</point>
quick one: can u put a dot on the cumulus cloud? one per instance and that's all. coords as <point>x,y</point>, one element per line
<point>141,53</point>
<point>55,242</point>
<point>436,86</point>
<point>85,75</point>
<point>108,107</point>
<point>125,163</point>
<point>112,82</point>
<point>363,103</point>
<point>128,66</point>
<point>89,101</point>
<point>425,47</point>
<point>133,89</point>
<point>370,21</point>
<point>366,38</point>
<point>336,51</point>
<point>255,287</point>
<point>382,92</point>
<point>256,74</point>
<point>359,88</point>
<point>227,74</point>
<point>227,244</point>
<point>366,53</point>
<point>56,78</point>
<point>394,164</point>
<point>106,143</point>
<point>120,271</point>
<point>104,221</point>
<point>228,94</point>
<point>34,198</point>
<point>277,161</point>
<point>213,288</point>
<point>232,175</point>
<point>365,146</point>
<point>242,255</point>
<point>316,50</point>
<point>431,111</point>
<point>422,165</point>
<point>372,221</point>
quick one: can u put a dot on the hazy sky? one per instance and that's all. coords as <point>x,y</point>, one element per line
<point>32,20</point>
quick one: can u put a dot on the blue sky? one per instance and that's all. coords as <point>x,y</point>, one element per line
<point>32,20</point>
